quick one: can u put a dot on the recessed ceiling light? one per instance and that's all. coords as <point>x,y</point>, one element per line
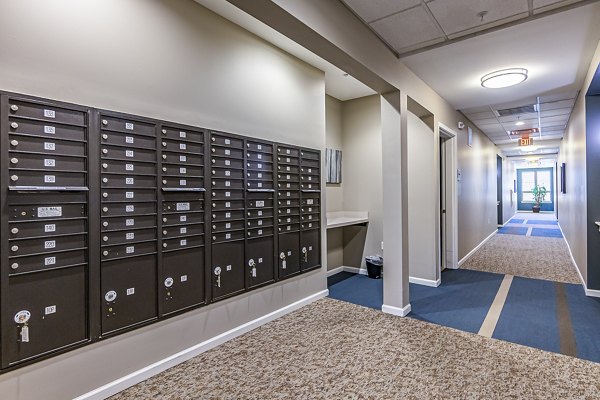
<point>504,78</point>
<point>519,123</point>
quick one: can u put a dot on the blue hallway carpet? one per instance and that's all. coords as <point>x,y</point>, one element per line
<point>513,230</point>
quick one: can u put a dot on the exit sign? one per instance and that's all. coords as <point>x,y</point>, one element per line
<point>526,141</point>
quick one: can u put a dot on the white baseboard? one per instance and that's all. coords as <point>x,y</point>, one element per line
<point>335,271</point>
<point>592,292</point>
<point>465,258</point>
<point>588,292</point>
<point>401,312</point>
<point>425,282</point>
<point>140,375</point>
<point>354,270</point>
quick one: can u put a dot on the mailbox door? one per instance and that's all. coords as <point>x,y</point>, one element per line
<point>310,249</point>
<point>227,269</point>
<point>182,284</point>
<point>259,261</point>
<point>289,246</point>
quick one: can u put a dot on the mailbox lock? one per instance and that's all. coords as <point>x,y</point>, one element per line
<point>14,248</point>
<point>104,151</point>
<point>214,227</point>
<point>213,171</point>
<point>104,122</point>
<point>104,136</point>
<point>251,262</point>
<point>14,178</point>
<point>105,165</point>
<point>282,255</point>
<point>169,282</point>
<point>14,125</point>
<point>164,169</point>
<point>14,143</point>
<point>212,139</point>
<point>105,238</point>
<point>104,180</point>
<point>165,232</point>
<point>164,156</point>
<point>104,209</point>
<point>213,150</point>
<point>21,318</point>
<point>164,144</point>
<point>110,296</point>
<point>105,223</point>
<point>165,245</point>
<point>105,253</point>
<point>14,160</point>
<point>164,131</point>
<point>165,219</point>
<point>217,272</point>
<point>104,194</point>
<point>14,107</point>
<point>164,181</point>
<point>252,265</point>
<point>305,253</point>
<point>14,265</point>
<point>14,231</point>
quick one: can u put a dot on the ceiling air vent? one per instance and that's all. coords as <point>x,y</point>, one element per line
<point>517,110</point>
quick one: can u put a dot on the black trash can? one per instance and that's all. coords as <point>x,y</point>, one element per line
<point>374,266</point>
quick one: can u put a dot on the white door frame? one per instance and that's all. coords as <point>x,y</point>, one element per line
<point>451,198</point>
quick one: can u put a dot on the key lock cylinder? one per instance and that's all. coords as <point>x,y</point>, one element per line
<point>22,319</point>
<point>252,265</point>
<point>305,254</point>
<point>217,272</point>
<point>283,261</point>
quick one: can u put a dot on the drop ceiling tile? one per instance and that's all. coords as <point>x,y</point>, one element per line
<point>459,15</point>
<point>371,10</point>
<point>479,116</point>
<point>556,105</point>
<point>408,28</point>
<point>545,5</point>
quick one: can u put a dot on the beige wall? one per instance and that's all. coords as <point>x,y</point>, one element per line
<point>172,60</point>
<point>509,198</point>
<point>334,191</point>
<point>572,213</point>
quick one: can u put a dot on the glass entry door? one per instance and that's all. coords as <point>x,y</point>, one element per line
<point>527,179</point>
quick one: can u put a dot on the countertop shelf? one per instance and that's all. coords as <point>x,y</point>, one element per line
<point>339,219</point>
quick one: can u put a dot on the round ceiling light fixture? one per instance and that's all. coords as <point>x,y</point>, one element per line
<point>504,78</point>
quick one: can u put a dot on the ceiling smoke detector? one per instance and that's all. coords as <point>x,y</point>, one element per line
<point>504,78</point>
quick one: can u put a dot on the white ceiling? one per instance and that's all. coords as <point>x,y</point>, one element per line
<point>336,83</point>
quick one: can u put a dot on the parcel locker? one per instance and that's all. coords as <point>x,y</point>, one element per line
<point>45,229</point>
<point>182,284</point>
<point>259,261</point>
<point>46,146</point>
<point>47,130</point>
<point>288,253</point>
<point>228,269</point>
<point>129,293</point>
<point>45,312</point>
<point>310,254</point>
<point>47,162</point>
<point>182,134</point>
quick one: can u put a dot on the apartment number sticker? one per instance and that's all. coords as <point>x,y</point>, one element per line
<point>260,222</point>
<point>130,291</point>
<point>129,208</point>
<point>49,114</point>
<point>49,162</point>
<point>228,225</point>
<point>52,211</point>
<point>50,228</point>
<point>259,147</point>
<point>260,203</point>
<point>182,134</point>
<point>182,230</point>
<point>49,261</point>
<point>227,215</point>
<point>130,249</point>
<point>227,204</point>
<point>260,231</point>
<point>130,222</point>
<point>259,166</point>
<point>183,242</point>
<point>227,194</point>
<point>228,236</point>
<point>129,195</point>
<point>130,236</point>
<point>260,213</point>
<point>129,181</point>
<point>129,126</point>
<point>227,152</point>
<point>259,156</point>
<point>228,173</point>
<point>183,170</point>
<point>309,201</point>
<point>129,153</point>
<point>50,244</point>
<point>50,310</point>
<point>183,218</point>
<point>227,141</point>
<point>182,158</point>
<point>227,162</point>
<point>182,146</point>
<point>259,184</point>
<point>129,139</point>
<point>183,278</point>
<point>182,182</point>
<point>49,129</point>
<point>50,146</point>
<point>49,179</point>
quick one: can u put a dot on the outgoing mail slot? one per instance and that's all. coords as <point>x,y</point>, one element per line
<point>46,211</point>
<point>259,223</point>
<point>288,220</point>
<point>182,134</point>
<point>231,194</point>
<point>260,176</point>
<point>225,140</point>
<point>227,163</point>
<point>57,304</point>
<point>227,173</point>
<point>48,130</point>
<point>127,167</point>
<point>228,269</point>
<point>127,236</point>
<point>183,206</point>
<point>227,226</point>
<point>46,163</point>
<point>124,209</point>
<point>182,182</point>
<point>128,290</point>
<point>259,232</point>
<point>228,236</point>
<point>181,171</point>
<point>313,164</point>
<point>182,243</point>
<point>259,185</point>
<point>47,146</point>
<point>260,213</point>
<point>227,215</point>
<point>284,170</point>
<point>128,181</point>
<point>41,262</point>
<point>182,283</point>
<point>182,159</point>
<point>288,254</point>
<point>259,157</point>
<point>259,261</point>
<point>128,140</point>
<point>46,112</point>
<point>227,184</point>
<point>128,222</point>
<point>226,152</point>
<point>182,231</point>
<point>309,154</point>
<point>259,147</point>
<point>47,178</point>
<point>19,230</point>
<point>227,205</point>
<point>289,202</point>
<point>127,153</point>
<point>287,151</point>
<point>126,125</point>
<point>187,218</point>
<point>128,250</point>
<point>310,253</point>
<point>260,203</point>
<point>288,186</point>
<point>182,146</point>
<point>129,195</point>
<point>45,245</point>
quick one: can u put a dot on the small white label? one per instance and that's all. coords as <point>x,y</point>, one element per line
<point>227,204</point>
<point>183,218</point>
<point>182,134</point>
<point>228,236</point>
<point>289,253</point>
<point>227,141</point>
<point>260,203</point>
<point>228,215</point>
<point>49,146</point>
<point>227,194</point>
<point>45,212</point>
<point>129,181</point>
<point>182,182</point>
<point>130,249</point>
<point>227,183</point>
<point>49,179</point>
<point>49,261</point>
<point>227,173</point>
<point>49,162</point>
<point>182,146</point>
<point>50,310</point>
<point>259,175</point>
<point>129,167</point>
<point>259,166</point>
<point>183,242</point>
<point>183,170</point>
<point>183,158</point>
<point>129,153</point>
<point>310,178</point>
<point>289,185</point>
<point>259,184</point>
<point>288,211</point>
<point>129,195</point>
<point>259,146</point>
<point>289,228</point>
<point>228,268</point>
<point>288,194</point>
<point>259,156</point>
<point>260,231</point>
<point>130,222</point>
<point>50,244</point>
<point>50,228</point>
<point>287,177</point>
<point>49,114</point>
<point>227,152</point>
<point>49,129</point>
<point>260,222</point>
<point>310,225</point>
<point>309,209</point>
<point>129,208</point>
<point>130,236</point>
<point>309,201</point>
<point>287,159</point>
<point>182,230</point>
<point>289,220</point>
<point>227,162</point>
<point>183,278</point>
<point>130,291</point>
<point>310,247</point>
<point>288,202</point>
<point>128,139</point>
<point>183,206</point>
<point>260,213</point>
<point>287,152</point>
<point>129,126</point>
<point>228,225</point>
<point>309,170</point>
<point>288,169</point>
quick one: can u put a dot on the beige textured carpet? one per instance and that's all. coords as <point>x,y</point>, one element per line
<point>531,257</point>
<point>336,350</point>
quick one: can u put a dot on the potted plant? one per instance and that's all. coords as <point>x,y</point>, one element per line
<point>539,193</point>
